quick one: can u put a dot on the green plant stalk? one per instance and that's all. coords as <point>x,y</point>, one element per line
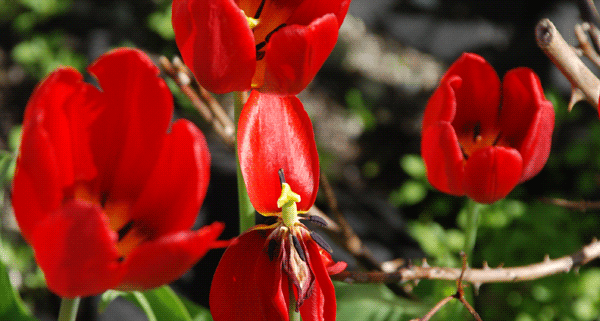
<point>294,316</point>
<point>472,223</point>
<point>246,210</point>
<point>68,309</point>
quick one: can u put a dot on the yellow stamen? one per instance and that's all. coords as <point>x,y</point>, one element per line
<point>287,203</point>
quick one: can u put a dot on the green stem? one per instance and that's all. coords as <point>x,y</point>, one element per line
<point>246,210</point>
<point>68,309</point>
<point>294,316</point>
<point>473,209</point>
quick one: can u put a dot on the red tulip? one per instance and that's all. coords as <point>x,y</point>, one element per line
<point>273,46</point>
<point>104,190</point>
<point>259,271</point>
<point>482,138</point>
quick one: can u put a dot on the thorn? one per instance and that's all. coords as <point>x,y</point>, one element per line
<point>594,240</point>
<point>485,265</point>
<point>424,263</point>
<point>500,266</point>
<point>546,258</point>
<point>576,96</point>
<point>476,287</point>
<point>416,281</point>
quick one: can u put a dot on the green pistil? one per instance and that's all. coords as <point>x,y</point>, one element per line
<point>287,203</point>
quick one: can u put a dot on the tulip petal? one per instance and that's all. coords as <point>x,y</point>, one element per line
<point>321,304</point>
<point>443,158</point>
<point>531,131</point>
<point>237,284</point>
<point>37,188</point>
<point>478,97</point>
<point>76,250</point>
<point>295,54</point>
<point>310,10</point>
<point>176,189</point>
<point>442,104</point>
<point>276,133</point>
<point>163,260</point>
<point>216,42</point>
<point>491,173</point>
<point>130,126</point>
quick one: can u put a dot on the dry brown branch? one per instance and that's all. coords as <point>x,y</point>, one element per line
<point>348,238</point>
<point>459,295</point>
<point>569,63</point>
<point>479,276</point>
<point>205,104</point>
<point>581,206</point>
<point>586,46</point>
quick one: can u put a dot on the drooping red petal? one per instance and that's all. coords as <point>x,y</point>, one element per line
<point>274,132</point>
<point>127,135</point>
<point>321,304</point>
<point>442,104</point>
<point>491,173</point>
<point>295,54</point>
<point>76,250</point>
<point>527,119</point>
<point>310,10</point>
<point>443,158</point>
<point>176,189</point>
<point>478,98</point>
<point>216,42</point>
<point>163,260</point>
<point>238,284</point>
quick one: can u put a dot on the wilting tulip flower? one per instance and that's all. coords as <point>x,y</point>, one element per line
<point>266,265</point>
<point>274,46</point>
<point>105,189</point>
<point>482,138</point>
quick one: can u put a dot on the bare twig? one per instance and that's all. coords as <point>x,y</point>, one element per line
<point>459,295</point>
<point>589,12</point>
<point>205,104</point>
<point>581,206</point>
<point>584,42</point>
<point>479,276</point>
<point>569,63</point>
<point>351,242</point>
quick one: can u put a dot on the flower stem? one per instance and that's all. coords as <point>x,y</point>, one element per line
<point>294,316</point>
<point>473,211</point>
<point>68,309</point>
<point>246,210</point>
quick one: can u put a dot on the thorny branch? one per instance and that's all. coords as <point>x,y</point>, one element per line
<point>586,86</point>
<point>459,295</point>
<point>482,275</point>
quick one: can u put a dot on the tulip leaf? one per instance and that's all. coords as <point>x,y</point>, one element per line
<point>11,305</point>
<point>373,302</point>
<point>159,304</point>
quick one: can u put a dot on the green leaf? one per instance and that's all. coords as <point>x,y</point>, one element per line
<point>198,313</point>
<point>158,304</point>
<point>11,305</point>
<point>372,302</point>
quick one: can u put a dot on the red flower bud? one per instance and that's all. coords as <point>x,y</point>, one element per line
<point>480,137</point>
<point>273,46</point>
<point>102,192</point>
